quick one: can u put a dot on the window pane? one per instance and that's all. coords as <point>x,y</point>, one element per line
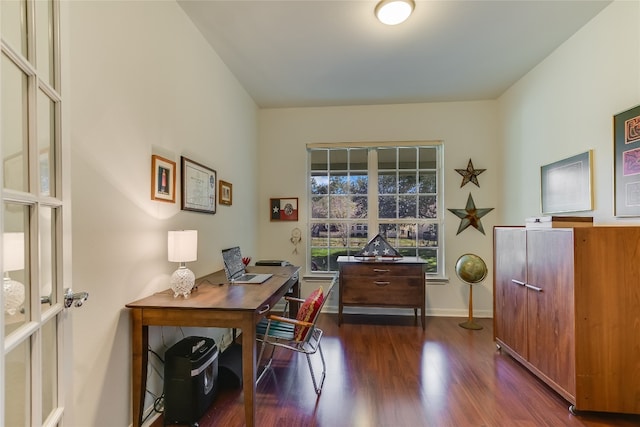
<point>359,207</point>
<point>14,125</point>
<point>428,207</point>
<point>319,159</point>
<point>46,146</point>
<point>358,159</point>
<point>387,207</point>
<point>358,183</point>
<point>428,158</point>
<point>387,158</point>
<point>320,207</point>
<point>339,207</point>
<point>47,256</point>
<point>427,182</point>
<point>44,40</point>
<point>319,184</point>
<point>407,206</point>
<point>15,255</point>
<point>49,368</point>
<point>407,182</point>
<point>338,160</point>
<point>338,183</point>
<point>407,158</point>
<point>14,24</point>
<point>17,386</point>
<point>387,183</point>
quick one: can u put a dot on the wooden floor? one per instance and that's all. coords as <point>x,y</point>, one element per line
<point>385,372</point>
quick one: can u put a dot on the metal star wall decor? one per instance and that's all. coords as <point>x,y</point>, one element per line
<point>470,216</point>
<point>470,174</point>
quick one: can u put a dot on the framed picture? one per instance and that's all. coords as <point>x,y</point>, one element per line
<point>626,158</point>
<point>566,185</point>
<point>285,209</point>
<point>226,193</point>
<point>198,187</point>
<point>163,179</point>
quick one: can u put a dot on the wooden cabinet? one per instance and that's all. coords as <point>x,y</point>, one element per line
<point>567,306</point>
<point>382,283</point>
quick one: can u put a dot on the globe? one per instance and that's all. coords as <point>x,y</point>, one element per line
<point>471,269</point>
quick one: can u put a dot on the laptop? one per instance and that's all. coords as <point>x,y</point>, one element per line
<point>235,271</point>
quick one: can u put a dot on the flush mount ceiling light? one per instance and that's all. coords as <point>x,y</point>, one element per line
<point>393,12</point>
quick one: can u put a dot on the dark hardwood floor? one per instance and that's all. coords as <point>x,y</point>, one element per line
<point>385,372</point>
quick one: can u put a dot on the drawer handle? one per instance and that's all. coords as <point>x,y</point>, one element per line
<point>379,270</point>
<point>264,309</point>
<point>535,288</point>
<point>382,283</point>
<point>518,282</point>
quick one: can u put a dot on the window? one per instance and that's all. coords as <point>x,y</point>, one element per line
<point>356,192</point>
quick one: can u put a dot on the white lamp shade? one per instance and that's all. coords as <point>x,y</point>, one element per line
<point>182,245</point>
<point>13,251</point>
<point>392,12</point>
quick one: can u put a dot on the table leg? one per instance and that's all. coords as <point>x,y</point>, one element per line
<point>139,359</point>
<point>249,370</point>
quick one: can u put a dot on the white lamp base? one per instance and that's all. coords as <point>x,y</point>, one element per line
<point>182,281</point>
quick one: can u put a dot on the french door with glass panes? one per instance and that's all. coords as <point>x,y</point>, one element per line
<point>33,218</point>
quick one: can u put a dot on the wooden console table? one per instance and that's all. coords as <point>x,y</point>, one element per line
<point>383,283</point>
<point>215,303</point>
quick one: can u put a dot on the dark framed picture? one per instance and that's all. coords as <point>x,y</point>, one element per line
<point>163,179</point>
<point>198,187</point>
<point>567,185</point>
<point>626,158</point>
<point>285,209</point>
<point>226,193</point>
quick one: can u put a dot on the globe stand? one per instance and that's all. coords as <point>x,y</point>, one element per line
<point>470,324</point>
<point>471,269</point>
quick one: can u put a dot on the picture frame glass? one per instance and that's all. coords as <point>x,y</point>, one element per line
<point>199,187</point>
<point>626,143</point>
<point>163,179</point>
<point>566,185</point>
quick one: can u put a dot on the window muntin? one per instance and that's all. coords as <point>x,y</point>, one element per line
<point>405,201</point>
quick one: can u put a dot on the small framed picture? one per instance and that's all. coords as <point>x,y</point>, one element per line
<point>163,179</point>
<point>285,209</point>
<point>226,192</point>
<point>626,168</point>
<point>566,185</point>
<point>199,187</point>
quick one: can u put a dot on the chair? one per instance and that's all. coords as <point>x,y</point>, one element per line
<point>300,335</point>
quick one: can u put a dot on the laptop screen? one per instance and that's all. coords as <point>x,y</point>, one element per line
<point>233,265</point>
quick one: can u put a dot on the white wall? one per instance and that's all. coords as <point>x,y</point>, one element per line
<point>469,131</point>
<point>565,106</point>
<point>143,81</point>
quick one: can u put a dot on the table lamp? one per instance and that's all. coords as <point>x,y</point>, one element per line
<point>182,247</point>
<point>13,260</point>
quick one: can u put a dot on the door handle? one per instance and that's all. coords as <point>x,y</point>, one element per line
<point>74,298</point>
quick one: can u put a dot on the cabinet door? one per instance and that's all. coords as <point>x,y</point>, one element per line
<point>550,309</point>
<point>510,297</point>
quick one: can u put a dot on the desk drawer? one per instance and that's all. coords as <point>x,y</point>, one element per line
<point>391,291</point>
<point>381,270</point>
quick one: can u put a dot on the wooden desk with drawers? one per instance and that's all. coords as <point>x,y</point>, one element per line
<point>383,283</point>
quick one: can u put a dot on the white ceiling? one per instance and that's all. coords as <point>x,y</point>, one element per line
<point>302,53</point>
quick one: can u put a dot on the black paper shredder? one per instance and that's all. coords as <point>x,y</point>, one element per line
<point>190,380</point>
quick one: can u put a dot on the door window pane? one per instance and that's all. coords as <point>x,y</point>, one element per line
<point>14,125</point>
<point>47,257</point>
<point>14,24</point>
<point>15,256</point>
<point>49,368</point>
<point>46,146</point>
<point>44,40</point>
<point>17,386</point>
